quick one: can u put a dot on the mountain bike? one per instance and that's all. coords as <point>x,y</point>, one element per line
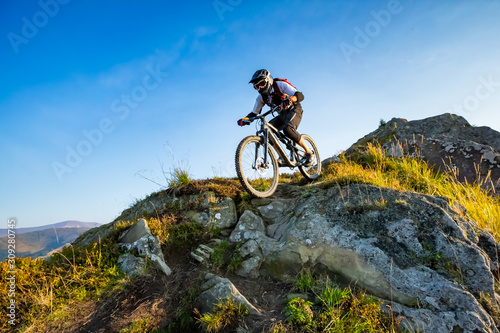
<point>256,163</point>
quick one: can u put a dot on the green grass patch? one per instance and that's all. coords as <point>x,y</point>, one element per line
<point>335,309</point>
<point>138,326</point>
<point>225,313</point>
<point>305,281</point>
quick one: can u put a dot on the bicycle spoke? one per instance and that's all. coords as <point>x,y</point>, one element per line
<point>257,177</point>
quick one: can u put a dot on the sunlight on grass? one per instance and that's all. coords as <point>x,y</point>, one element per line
<point>46,287</point>
<point>225,313</point>
<point>412,174</point>
<point>335,309</point>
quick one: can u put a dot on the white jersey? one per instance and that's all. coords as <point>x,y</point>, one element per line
<point>285,88</point>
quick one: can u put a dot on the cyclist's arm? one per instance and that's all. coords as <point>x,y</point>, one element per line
<point>288,89</point>
<point>259,104</point>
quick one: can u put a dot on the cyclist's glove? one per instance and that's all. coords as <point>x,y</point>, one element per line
<point>244,121</point>
<point>285,104</point>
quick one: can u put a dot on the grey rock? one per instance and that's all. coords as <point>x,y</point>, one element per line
<point>198,217</point>
<point>250,267</point>
<point>252,254</point>
<point>423,255</point>
<point>272,210</point>
<point>135,232</point>
<point>223,214</point>
<point>132,265</point>
<point>250,248</point>
<point>447,142</point>
<point>217,289</point>
<point>250,226</point>
<point>139,238</point>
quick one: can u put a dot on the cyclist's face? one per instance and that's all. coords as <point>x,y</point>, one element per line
<point>259,86</point>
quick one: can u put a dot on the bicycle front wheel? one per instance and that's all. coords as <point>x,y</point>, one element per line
<point>258,176</point>
<point>312,172</point>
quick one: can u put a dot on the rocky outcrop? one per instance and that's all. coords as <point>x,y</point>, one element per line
<point>205,208</point>
<point>421,254</point>
<point>139,239</point>
<point>447,141</point>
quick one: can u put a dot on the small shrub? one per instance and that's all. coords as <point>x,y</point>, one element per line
<point>305,281</point>
<point>332,297</point>
<point>279,327</point>
<point>185,234</point>
<point>299,312</point>
<point>179,176</point>
<point>224,314</point>
<point>365,206</point>
<point>138,326</point>
<point>219,254</point>
<point>162,226</point>
<point>235,261</point>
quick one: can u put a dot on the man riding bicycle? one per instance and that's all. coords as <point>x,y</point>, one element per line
<point>274,92</point>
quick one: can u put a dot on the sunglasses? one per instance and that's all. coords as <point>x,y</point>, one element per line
<point>260,85</point>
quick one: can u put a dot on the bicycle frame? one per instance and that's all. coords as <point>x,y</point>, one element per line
<point>271,134</point>
<point>257,162</point>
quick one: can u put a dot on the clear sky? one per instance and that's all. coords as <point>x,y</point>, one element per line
<point>97,96</point>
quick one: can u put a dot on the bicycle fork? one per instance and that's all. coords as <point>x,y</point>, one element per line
<point>262,164</point>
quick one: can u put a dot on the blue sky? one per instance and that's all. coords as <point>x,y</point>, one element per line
<point>97,96</point>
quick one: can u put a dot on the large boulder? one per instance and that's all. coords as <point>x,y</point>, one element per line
<point>419,252</point>
<point>447,142</point>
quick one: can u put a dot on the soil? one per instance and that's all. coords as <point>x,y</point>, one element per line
<point>157,297</point>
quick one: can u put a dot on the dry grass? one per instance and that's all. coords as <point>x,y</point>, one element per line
<point>413,174</point>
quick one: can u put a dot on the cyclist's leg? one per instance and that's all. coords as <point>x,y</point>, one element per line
<point>292,122</point>
<point>278,122</point>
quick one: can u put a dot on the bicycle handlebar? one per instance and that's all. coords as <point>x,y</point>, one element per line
<point>261,116</point>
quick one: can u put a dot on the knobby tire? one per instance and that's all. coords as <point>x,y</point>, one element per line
<point>254,180</point>
<point>314,171</point>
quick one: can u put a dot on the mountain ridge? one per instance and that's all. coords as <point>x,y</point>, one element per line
<point>39,241</point>
<point>63,224</point>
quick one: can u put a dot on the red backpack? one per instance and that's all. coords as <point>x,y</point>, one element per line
<point>276,89</point>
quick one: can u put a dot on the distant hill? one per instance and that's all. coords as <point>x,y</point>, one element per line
<point>39,241</point>
<point>65,224</point>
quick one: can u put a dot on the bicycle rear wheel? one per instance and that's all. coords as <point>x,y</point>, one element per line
<point>314,170</point>
<point>257,178</point>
